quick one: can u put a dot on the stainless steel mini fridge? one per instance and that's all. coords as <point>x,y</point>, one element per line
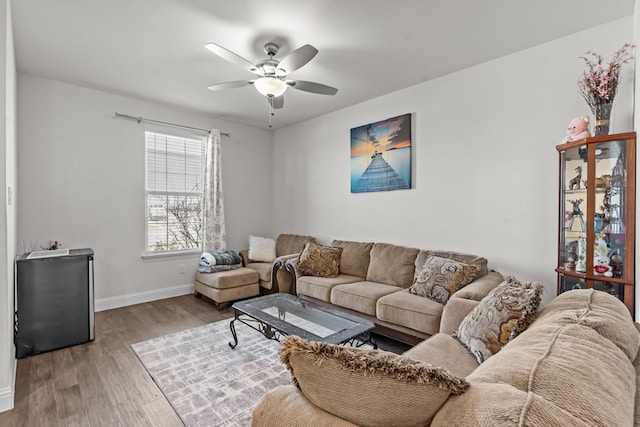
<point>54,300</point>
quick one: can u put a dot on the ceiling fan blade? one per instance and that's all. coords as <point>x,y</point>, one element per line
<point>234,58</point>
<point>230,85</point>
<point>297,59</point>
<point>278,102</point>
<point>312,87</point>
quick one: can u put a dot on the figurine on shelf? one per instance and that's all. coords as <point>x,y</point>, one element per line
<point>575,182</point>
<point>600,247</point>
<point>581,264</point>
<point>616,264</point>
<point>577,128</point>
<point>579,285</point>
<point>572,257</point>
<point>602,182</point>
<point>602,267</point>
<point>576,212</point>
<point>52,246</point>
<point>618,174</point>
<point>610,288</point>
<point>601,260</point>
<point>597,222</point>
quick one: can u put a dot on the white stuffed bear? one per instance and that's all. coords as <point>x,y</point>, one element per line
<point>601,266</point>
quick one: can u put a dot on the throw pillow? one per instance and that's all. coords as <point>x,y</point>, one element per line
<point>476,260</point>
<point>441,277</point>
<point>368,387</point>
<point>262,249</point>
<point>318,260</point>
<point>501,316</point>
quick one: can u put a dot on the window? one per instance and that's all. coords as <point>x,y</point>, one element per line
<point>174,192</point>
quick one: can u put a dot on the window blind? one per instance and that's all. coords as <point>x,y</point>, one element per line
<point>174,192</point>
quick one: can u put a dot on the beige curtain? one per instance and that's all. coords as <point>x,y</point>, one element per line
<point>215,234</point>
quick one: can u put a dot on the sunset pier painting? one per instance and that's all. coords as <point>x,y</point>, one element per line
<point>381,155</point>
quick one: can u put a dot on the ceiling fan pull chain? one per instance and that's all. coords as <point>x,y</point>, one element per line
<point>271,113</point>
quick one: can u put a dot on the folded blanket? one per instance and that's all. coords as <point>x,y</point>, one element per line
<point>220,258</point>
<point>206,268</point>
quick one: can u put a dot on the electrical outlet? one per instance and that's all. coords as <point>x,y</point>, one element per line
<point>182,271</point>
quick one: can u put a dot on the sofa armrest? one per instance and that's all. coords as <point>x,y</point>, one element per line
<point>454,312</point>
<point>281,261</point>
<point>281,278</point>
<point>244,254</point>
<point>286,406</point>
<point>466,299</point>
<point>290,266</point>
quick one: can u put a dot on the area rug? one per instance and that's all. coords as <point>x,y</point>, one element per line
<point>205,381</point>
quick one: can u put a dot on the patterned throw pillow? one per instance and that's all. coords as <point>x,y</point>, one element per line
<point>318,260</point>
<point>501,316</point>
<point>441,277</point>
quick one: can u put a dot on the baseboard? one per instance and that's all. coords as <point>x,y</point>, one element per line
<point>140,297</point>
<point>7,393</point>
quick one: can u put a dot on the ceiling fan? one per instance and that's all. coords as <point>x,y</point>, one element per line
<point>271,74</point>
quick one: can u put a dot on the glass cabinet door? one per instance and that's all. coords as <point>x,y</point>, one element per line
<point>573,212</point>
<point>597,216</point>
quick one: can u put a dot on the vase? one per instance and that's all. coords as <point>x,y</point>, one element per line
<point>602,113</point>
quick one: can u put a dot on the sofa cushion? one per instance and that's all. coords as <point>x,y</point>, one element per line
<point>368,387</point>
<point>598,310</point>
<point>503,314</point>
<point>361,296</point>
<point>440,277</point>
<point>262,249</point>
<point>355,257</point>
<point>478,261</point>
<point>392,265</point>
<point>320,287</point>
<point>228,279</point>
<point>445,351</point>
<point>318,260</point>
<point>264,270</point>
<point>292,409</point>
<point>551,375</point>
<point>403,308</point>
<point>287,244</point>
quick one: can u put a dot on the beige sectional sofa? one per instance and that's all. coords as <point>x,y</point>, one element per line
<point>373,283</point>
<point>273,275</point>
<point>577,364</point>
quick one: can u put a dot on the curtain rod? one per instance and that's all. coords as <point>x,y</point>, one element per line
<point>142,119</point>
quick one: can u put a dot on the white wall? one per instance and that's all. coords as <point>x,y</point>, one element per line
<point>8,212</point>
<point>81,182</point>
<point>486,168</point>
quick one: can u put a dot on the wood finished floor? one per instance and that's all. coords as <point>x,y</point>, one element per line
<point>102,383</point>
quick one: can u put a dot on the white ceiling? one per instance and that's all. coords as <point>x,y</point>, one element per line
<point>154,49</point>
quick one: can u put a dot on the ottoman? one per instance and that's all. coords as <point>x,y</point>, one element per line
<point>227,286</point>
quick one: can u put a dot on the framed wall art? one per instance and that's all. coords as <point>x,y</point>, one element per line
<point>381,155</point>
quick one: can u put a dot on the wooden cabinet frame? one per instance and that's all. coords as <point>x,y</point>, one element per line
<point>590,151</point>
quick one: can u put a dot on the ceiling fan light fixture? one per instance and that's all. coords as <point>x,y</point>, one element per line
<point>270,86</point>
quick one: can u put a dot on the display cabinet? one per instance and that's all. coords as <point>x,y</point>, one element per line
<point>596,244</point>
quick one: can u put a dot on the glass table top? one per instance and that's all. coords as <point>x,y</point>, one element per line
<point>294,316</point>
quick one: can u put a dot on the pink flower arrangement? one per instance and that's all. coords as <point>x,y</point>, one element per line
<point>599,82</point>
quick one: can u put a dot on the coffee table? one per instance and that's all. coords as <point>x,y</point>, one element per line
<point>279,314</point>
